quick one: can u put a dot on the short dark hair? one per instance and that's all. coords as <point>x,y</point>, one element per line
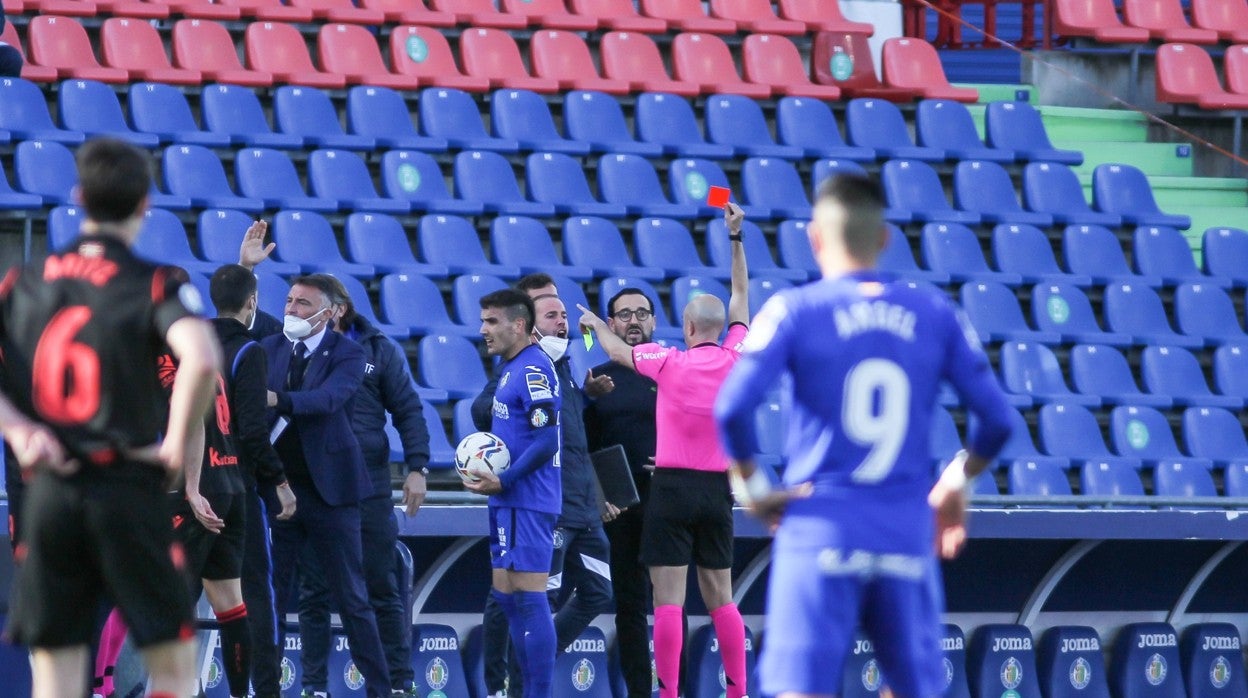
<point>514,303</point>
<point>864,212</point>
<point>534,281</point>
<point>341,296</point>
<point>630,291</point>
<point>230,287</point>
<point>324,283</point>
<point>113,179</point>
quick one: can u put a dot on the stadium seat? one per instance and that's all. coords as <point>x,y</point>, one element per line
<point>441,451</point>
<point>635,57</point>
<point>523,242</point>
<point>631,180</point>
<point>1165,21</point>
<point>1143,433</point>
<point>493,54</point>
<point>410,12</point>
<point>769,421</point>
<point>843,57</point>
<point>269,175</point>
<point>340,11</point>
<point>686,16</point>
<point>162,239</point>
<point>1017,126</point>
<point>913,188</point>
<point>756,17</point>
<point>279,49</point>
<point>1105,478</point>
<point>1135,309</point>
<point>878,124</point>
<point>793,245</point>
<point>1071,663</point>
<point>1032,370</point>
<point>24,114</point>
<point>342,176</point>
<point>619,15</point>
<point>597,118</point>
<point>774,61</point>
<point>479,13</point>
<point>30,71</point>
<point>564,57</point>
<point>466,291</point>
<point>1144,662</point>
<point>1093,251</point>
<point>486,177</point>
<point>451,363</point>
<point>1026,250</point>
<point>93,108</point>
<point>861,676</point>
<point>1037,479</point>
<point>307,112</point>
<point>685,288</point>
<point>704,59</point>
<point>1001,658</point>
<point>912,64</point>
<point>1213,661</point>
<point>453,115</point>
<point>1096,19</point>
<point>364,306</point>
<point>381,241</point>
<point>1235,481</point>
<point>581,669</point>
<point>235,111</point>
<point>738,121</point>
<point>220,233</point>
<point>1224,252</point>
<point>436,660</point>
<point>11,200</point>
<point>757,251</point>
<point>559,180</point>
<point>663,243</point>
<point>422,52</point>
<point>1215,433</point>
<point>381,114</point>
<point>351,50</point>
<point>775,184</point>
<point>61,43</point>
<point>822,17</point>
<point>946,124</point>
<point>1185,75</point>
<point>994,312</point>
<point>1183,479</point>
<point>1123,189</point>
<point>704,665</point>
<point>416,177</point>
<point>270,10</point>
<point>195,172</point>
<point>453,242</point>
<point>596,244</point>
<point>690,180</point>
<point>953,651</point>
<point>1070,431</point>
<point>271,292</point>
<point>162,110</point>
<point>810,125</point>
<point>461,419</point>
<point>943,436</point>
<point>953,249</point>
<point>45,169</point>
<point>985,188</point>
<point>827,168</point>
<point>134,46</point>
<point>1176,373</point>
<point>1234,65</point>
<point>761,290</point>
<point>1164,252</point>
<point>64,223</point>
<point>1205,311</point>
<point>898,258</point>
<point>1103,371</point>
<point>1054,189</point>
<point>550,14</point>
<point>1060,306</point>
<point>307,239</point>
<point>1229,18</point>
<point>668,120</point>
<point>1230,370</point>
<point>522,116</point>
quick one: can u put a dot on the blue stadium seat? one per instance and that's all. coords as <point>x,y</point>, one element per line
<point>631,180</point>
<point>1026,250</point>
<point>1037,478</point>
<point>1136,309</point>
<point>381,114</point>
<point>15,200</point>
<point>487,177</point>
<point>737,121</point>
<point>1033,370</point>
<point>1101,477</point>
<point>1163,252</point>
<point>761,289</point>
<point>441,450</point>
<point>704,675</point>
<point>1182,479</point>
<point>342,176</point>
<point>414,302</point>
<point>453,242</point>
<point>474,662</point>
<point>878,124</point>
<point>1213,663</point>
<point>1176,373</point>
<point>235,111</point>
<point>24,114</point>
<point>220,233</point>
<point>45,169</point>
<point>994,312</point>
<point>1053,188</point>
<point>668,121</point>
<point>597,118</point>
<point>307,112</point>
<point>810,125</point>
<point>1123,189</point>
<point>92,108</point>
<point>1093,251</point>
<point>559,180</point>
<point>1144,662</point>
<point>1103,371</point>
<point>522,116</point>
<point>614,284</point>
<point>1001,658</point>
<point>414,176</point>
<point>1017,126</point>
<point>793,244</point>
<point>596,244</point>
<point>861,676</point>
<point>1230,370</point>
<point>461,419</point>
<point>663,243</point>
<point>1216,434</point>
<point>1070,431</point>
<point>571,293</point>
<point>451,363</point>
<point>914,188</point>
<point>344,677</point>
<point>364,306</point>
<point>520,241</point>
<point>436,660</point>
<point>581,669</point>
<point>466,291</point>
<point>162,110</point>
<point>898,258</point>
<point>271,292</point>
<point>825,168</point>
<point>943,436</point>
<point>1144,433</point>
<point>757,251</point>
<point>691,179</point>
<point>64,223</point>
<point>985,188</point>
<point>1071,664</point>
<point>1064,308</point>
<point>1225,254</point>
<point>1020,448</point>
<point>1235,480</point>
<point>945,124</point>
<point>163,239</point>
<point>1205,311</point>
<point>269,175</point>
<point>953,647</point>
<point>453,115</point>
<point>953,249</point>
<point>380,240</point>
<point>775,184</point>
<point>195,172</point>
<point>686,288</point>
<point>306,238</point>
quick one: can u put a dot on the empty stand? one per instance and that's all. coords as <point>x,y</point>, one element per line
<point>1001,658</point>
<point>994,312</point>
<point>45,169</point>
<point>898,258</point>
<point>30,71</point>
<point>236,112</point>
<point>1145,662</point>
<point>1032,370</point>
<point>1054,189</point>
<point>631,180</point>
<point>453,115</point>
<point>686,15</point>
<point>1215,434</point>
<point>598,119</point>
<point>1095,19</point>
<point>61,43</point>
<point>450,363</point>
<point>523,242</point>
<point>340,11</point>
<point>351,50</point>
<point>278,48</point>
<point>467,290</point>
<point>270,10</point>
<point>634,57</point>
<point>756,17</point>
<point>1176,373</point>
<point>479,13</point>
<point>953,249</point>
<point>1102,371</point>
<point>206,46</point>
<point>1229,18</point>
<point>410,12</point>
<point>667,244</point>
<point>822,17</point>
<point>1164,252</point>
<point>912,64</point>
<point>1093,251</point>
<point>1135,309</point>
<point>452,242</point>
<point>1225,254</point>
<point>1143,433</point>
<point>64,223</point>
<point>1181,479</point>
<point>220,233</point>
<point>163,240</point>
<point>1212,661</point>
<point>493,54</point>
<point>1071,663</point>
<point>381,241</point>
<point>620,15</point>
<point>775,184</point>
<point>486,177</point>
<point>93,108</point>
<point>1123,189</point>
<point>668,120</point>
<point>946,124</point>
<point>596,244</point>
<point>1205,311</point>
<point>307,239</point>
<point>704,59</point>
<point>1230,370</point>
<point>162,110</point>
<point>843,58</point>
<point>415,177</point>
<point>1017,126</point>
<point>775,62</point>
<point>564,57</point>
<point>269,175</point>
<point>719,249</point>
<point>306,112</point>
<point>738,122</point>
<point>195,172</point>
<point>686,288</point>
<point>1107,478</point>
<point>1164,21</point>
<point>913,187</point>
<point>550,14</point>
<point>1185,75</point>
<point>810,125</point>
<point>423,53</point>
<point>1037,479</point>
<point>522,116</point>
<point>134,46</point>
<point>878,124</point>
<point>1025,250</point>
<point>342,176</point>
<point>559,180</point>
<point>1062,307</point>
<point>381,114</point>
<point>14,200</point>
<point>985,188</point>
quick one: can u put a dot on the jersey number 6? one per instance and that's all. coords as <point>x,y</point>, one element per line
<point>66,374</point>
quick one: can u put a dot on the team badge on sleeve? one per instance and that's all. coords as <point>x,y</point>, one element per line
<point>539,418</point>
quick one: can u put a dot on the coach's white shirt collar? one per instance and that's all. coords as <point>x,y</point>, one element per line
<point>313,341</point>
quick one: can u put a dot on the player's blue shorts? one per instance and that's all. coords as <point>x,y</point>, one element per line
<point>521,539</point>
<point>816,599</point>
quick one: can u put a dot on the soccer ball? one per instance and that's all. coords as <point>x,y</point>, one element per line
<point>478,452</point>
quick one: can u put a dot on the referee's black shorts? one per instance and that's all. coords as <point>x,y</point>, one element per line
<point>688,519</point>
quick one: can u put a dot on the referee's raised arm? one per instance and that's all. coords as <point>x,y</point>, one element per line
<point>739,301</point>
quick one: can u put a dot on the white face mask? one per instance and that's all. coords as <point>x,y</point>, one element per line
<point>296,328</point>
<point>555,347</point>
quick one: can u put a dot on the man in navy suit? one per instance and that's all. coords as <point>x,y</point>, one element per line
<point>313,374</point>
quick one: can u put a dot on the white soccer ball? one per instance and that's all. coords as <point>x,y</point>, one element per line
<point>478,452</point>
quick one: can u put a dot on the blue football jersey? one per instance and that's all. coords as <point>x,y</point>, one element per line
<point>527,399</point>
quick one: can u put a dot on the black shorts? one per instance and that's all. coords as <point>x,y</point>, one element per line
<point>688,519</point>
<point>212,555</point>
<point>103,533</point>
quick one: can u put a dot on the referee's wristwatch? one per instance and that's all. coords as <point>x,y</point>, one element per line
<point>735,237</point>
<point>423,471</point>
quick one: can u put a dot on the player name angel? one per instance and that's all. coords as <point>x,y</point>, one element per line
<point>866,316</point>
<point>833,561</point>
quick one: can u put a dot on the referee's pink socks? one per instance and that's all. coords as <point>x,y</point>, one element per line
<point>669,637</point>
<point>730,631</point>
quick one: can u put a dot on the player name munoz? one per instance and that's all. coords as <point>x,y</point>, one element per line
<point>1220,643</point>
<point>1011,644</point>
<point>438,644</point>
<point>865,316</point>
<point>1081,644</point>
<point>1158,640</point>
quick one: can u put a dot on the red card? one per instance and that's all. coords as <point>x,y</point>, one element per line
<point>718,197</point>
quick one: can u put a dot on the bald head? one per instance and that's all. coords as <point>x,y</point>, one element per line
<point>705,314</point>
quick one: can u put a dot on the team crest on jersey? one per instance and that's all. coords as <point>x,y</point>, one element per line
<point>871,676</point>
<point>558,539</point>
<point>502,382</point>
<point>352,677</point>
<point>437,674</point>
<point>583,675</point>
<point>1220,672</point>
<point>539,385</point>
<point>539,418</point>
<point>288,673</point>
<point>215,672</point>
<point>1011,673</point>
<point>1155,670</point>
<point>1080,674</point>
<point>948,671</point>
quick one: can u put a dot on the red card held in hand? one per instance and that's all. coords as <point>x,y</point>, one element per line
<point>718,196</point>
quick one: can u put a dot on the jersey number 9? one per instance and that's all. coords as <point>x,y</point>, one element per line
<point>875,414</point>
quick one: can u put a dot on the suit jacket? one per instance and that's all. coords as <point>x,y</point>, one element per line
<point>320,410</point>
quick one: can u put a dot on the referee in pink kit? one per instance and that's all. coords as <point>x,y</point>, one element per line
<point>689,515</point>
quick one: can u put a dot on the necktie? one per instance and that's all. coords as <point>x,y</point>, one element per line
<point>298,365</point>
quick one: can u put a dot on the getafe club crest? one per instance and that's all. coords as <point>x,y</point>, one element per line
<point>948,671</point>
<point>871,676</point>
<point>437,674</point>
<point>1080,673</point>
<point>352,677</point>
<point>1011,673</point>
<point>583,675</point>
<point>215,672</point>
<point>1220,672</point>
<point>1155,670</point>
<point>288,673</point>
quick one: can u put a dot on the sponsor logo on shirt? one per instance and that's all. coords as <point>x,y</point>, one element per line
<point>539,386</point>
<point>500,410</point>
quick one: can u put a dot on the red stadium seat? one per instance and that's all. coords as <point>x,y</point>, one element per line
<point>132,8</point>
<point>755,16</point>
<point>67,8</point>
<point>1096,19</point>
<point>340,11</point>
<point>206,46</point>
<point>563,56</point>
<point>1235,66</point>
<point>619,15</point>
<point>62,43</point>
<point>635,58</point>
<point>410,12</point>
<point>351,50</point>
<point>1164,20</point>
<point>823,16</point>
<point>134,45</point>
<point>774,61</point>
<point>201,9</point>
<point>912,64</point>
<point>271,10</point>
<point>1185,75</point>
<point>844,59</point>
<point>423,53</point>
<point>493,54</point>
<point>1229,18</point>
<point>279,49</point>
<point>30,71</point>
<point>705,59</point>
<point>687,15</point>
<point>480,13</point>
<point>551,14</point>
